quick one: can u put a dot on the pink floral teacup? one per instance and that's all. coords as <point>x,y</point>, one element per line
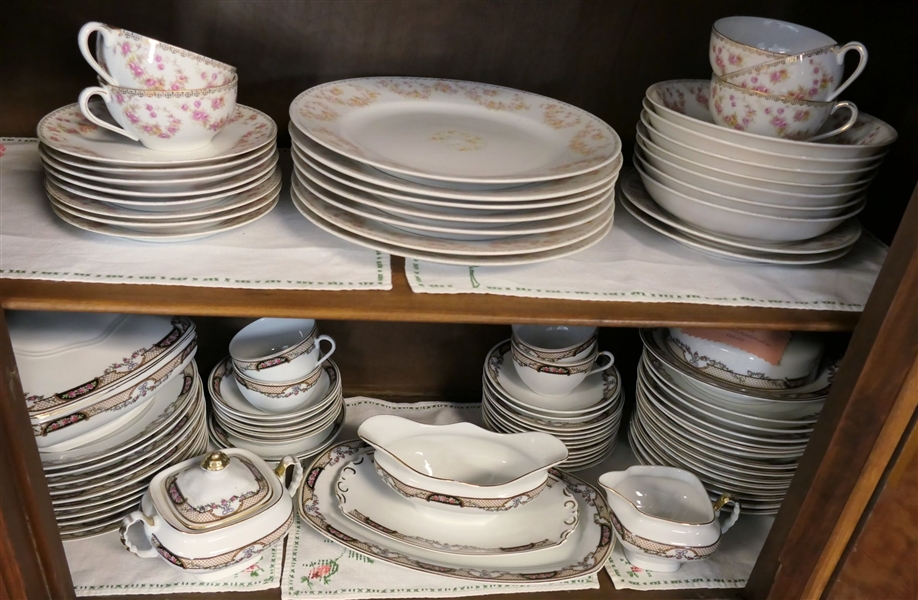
<point>167,121</point>
<point>813,62</point>
<point>747,110</point>
<point>132,60</point>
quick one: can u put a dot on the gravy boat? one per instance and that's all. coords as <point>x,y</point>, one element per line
<point>461,467</point>
<point>663,516</point>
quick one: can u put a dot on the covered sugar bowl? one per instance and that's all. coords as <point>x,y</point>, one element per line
<point>214,515</point>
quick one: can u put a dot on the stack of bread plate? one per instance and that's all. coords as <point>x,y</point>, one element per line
<point>106,183</point>
<point>586,420</point>
<point>235,423</point>
<point>452,171</point>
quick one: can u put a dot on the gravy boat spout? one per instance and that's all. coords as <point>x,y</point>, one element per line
<point>663,516</point>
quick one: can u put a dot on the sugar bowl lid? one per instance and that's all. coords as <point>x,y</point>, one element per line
<point>216,490</point>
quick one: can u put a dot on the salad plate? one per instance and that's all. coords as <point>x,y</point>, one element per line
<point>448,131</point>
<point>67,131</point>
<point>366,178</point>
<point>588,425</point>
<point>364,498</point>
<point>449,259</point>
<point>219,438</point>
<point>584,552</point>
<point>105,209</point>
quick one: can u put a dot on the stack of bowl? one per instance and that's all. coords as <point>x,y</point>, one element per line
<point>736,408</point>
<point>757,186</point>
<point>546,379</point>
<point>276,394</point>
<point>113,399</point>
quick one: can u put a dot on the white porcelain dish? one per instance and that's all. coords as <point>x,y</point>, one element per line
<point>584,552</point>
<point>454,131</point>
<point>685,103</point>
<point>557,381</point>
<point>365,499</point>
<point>461,466</point>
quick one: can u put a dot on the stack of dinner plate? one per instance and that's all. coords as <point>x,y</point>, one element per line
<point>108,184</point>
<point>452,171</point>
<point>235,423</point>
<point>748,197</point>
<point>588,423</point>
<point>739,440</point>
<point>113,400</point>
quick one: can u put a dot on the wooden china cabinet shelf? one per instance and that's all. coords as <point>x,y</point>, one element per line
<point>401,304</point>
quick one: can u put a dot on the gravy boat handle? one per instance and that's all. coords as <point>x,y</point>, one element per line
<point>731,520</point>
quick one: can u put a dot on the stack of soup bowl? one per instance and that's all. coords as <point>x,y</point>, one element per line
<point>277,394</point>
<point>768,195</point>
<point>113,399</point>
<point>734,407</point>
<point>183,161</point>
<point>554,379</point>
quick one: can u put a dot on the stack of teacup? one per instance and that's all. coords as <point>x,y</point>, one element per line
<point>555,380</point>
<point>277,394</point>
<point>778,79</point>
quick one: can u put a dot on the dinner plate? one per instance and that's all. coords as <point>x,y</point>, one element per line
<point>527,244</point>
<point>167,236</point>
<point>363,177</point>
<point>66,130</point>
<point>366,499</point>
<point>470,230</point>
<point>584,552</point>
<point>450,259</point>
<point>442,130</point>
<point>104,209</point>
<point>452,211</point>
<point>157,172</point>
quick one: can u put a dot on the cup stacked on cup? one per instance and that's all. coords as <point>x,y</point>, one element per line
<point>778,79</point>
<point>277,393</point>
<point>559,383</point>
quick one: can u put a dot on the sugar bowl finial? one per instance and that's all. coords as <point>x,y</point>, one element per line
<point>215,461</point>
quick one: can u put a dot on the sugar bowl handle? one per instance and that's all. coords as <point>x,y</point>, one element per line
<point>731,520</point>
<point>83,40</point>
<point>281,471</point>
<point>146,527</point>
<point>608,355</point>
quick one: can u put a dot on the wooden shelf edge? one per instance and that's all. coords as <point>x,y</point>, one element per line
<point>401,304</point>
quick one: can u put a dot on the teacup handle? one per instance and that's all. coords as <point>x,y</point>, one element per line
<point>281,471</point>
<point>327,355</point>
<point>607,354</point>
<point>95,90</point>
<point>840,57</point>
<point>127,523</point>
<point>843,104</point>
<point>83,40</point>
<point>731,520</point>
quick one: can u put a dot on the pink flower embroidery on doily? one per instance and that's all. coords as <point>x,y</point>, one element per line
<point>2,150</point>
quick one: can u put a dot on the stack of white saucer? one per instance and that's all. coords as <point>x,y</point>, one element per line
<point>452,171</point>
<point>585,416</point>
<point>113,399</point>
<point>276,394</point>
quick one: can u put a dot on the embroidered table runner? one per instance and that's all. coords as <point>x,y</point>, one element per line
<point>636,264</point>
<point>280,251</point>
<point>317,567</point>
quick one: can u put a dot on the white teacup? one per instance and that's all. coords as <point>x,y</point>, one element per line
<point>128,59</point>
<point>278,350</point>
<point>553,379</point>
<point>165,121</point>
<point>281,397</point>
<point>561,344</point>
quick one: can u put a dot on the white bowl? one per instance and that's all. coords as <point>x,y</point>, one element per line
<point>685,102</point>
<point>749,168</point>
<point>739,223</point>
<point>743,152</point>
<point>761,183</point>
<point>750,193</point>
<point>759,208</point>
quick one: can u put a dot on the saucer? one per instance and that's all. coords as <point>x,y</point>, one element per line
<point>365,498</point>
<point>585,553</point>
